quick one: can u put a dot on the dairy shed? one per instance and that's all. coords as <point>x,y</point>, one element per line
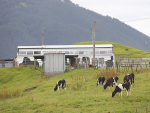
<point>54,63</point>
<point>103,53</point>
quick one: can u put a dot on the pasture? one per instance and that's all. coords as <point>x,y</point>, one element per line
<point>25,89</point>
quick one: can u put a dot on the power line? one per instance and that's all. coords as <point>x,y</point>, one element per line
<point>137,19</point>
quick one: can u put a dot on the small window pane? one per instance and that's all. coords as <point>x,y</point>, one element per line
<point>29,52</point>
<point>66,52</point>
<point>81,52</point>
<point>37,52</point>
<point>76,52</point>
<point>22,52</point>
<point>96,52</point>
<point>102,52</point>
<point>71,52</point>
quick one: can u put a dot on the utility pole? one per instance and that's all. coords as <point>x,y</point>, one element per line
<point>43,36</point>
<point>94,45</point>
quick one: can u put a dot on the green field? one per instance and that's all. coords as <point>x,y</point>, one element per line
<point>81,95</point>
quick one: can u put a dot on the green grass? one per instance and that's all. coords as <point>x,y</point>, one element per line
<point>81,95</point>
<point>119,48</point>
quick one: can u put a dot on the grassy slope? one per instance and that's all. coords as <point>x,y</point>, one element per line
<point>81,95</point>
<point>86,97</point>
<point>119,48</point>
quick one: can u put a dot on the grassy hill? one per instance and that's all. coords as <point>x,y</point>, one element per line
<point>25,89</point>
<point>119,48</point>
<point>81,95</point>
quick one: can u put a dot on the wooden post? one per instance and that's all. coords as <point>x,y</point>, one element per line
<point>131,66</point>
<point>14,62</point>
<point>82,62</point>
<point>117,65</point>
<point>97,64</point>
<point>76,62</point>
<point>136,66</point>
<point>146,65</point>
<point>141,64</point>
<point>34,63</point>
<point>69,62</point>
<point>3,63</point>
<point>94,44</point>
<point>136,110</point>
<point>146,109</point>
<point>86,63</point>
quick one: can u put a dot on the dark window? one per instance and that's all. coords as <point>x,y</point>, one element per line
<point>37,52</point>
<point>29,52</point>
<point>22,52</point>
<point>81,52</point>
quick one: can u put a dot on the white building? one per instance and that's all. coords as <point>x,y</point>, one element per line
<point>103,52</point>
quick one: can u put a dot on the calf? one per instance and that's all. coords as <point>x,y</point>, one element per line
<point>122,87</point>
<point>111,81</point>
<point>60,84</point>
<point>129,78</point>
<point>101,80</point>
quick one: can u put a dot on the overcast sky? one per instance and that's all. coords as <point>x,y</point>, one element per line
<point>135,13</point>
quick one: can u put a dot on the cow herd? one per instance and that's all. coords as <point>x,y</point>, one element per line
<point>110,82</point>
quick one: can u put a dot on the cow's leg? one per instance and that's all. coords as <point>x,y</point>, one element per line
<point>112,87</point>
<point>97,83</point>
<point>103,83</point>
<point>121,93</point>
<point>131,81</point>
<point>127,92</point>
<point>58,88</point>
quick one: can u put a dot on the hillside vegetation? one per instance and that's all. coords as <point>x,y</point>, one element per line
<point>81,95</point>
<point>119,48</point>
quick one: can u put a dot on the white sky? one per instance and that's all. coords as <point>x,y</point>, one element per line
<point>123,10</point>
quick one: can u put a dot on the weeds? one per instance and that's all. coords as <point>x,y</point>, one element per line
<point>78,82</point>
<point>8,94</point>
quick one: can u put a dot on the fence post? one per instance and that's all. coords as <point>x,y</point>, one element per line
<point>117,65</point>
<point>136,66</point>
<point>146,109</point>
<point>97,64</point>
<point>141,65</point>
<point>34,63</point>
<point>136,110</point>
<point>82,62</point>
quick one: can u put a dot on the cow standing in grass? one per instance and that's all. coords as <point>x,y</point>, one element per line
<point>122,87</point>
<point>111,81</point>
<point>129,78</point>
<point>60,84</point>
<point>101,80</point>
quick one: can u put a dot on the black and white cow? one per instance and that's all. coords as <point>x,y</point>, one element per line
<point>101,80</point>
<point>60,84</point>
<point>122,87</point>
<point>129,78</point>
<point>111,81</point>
